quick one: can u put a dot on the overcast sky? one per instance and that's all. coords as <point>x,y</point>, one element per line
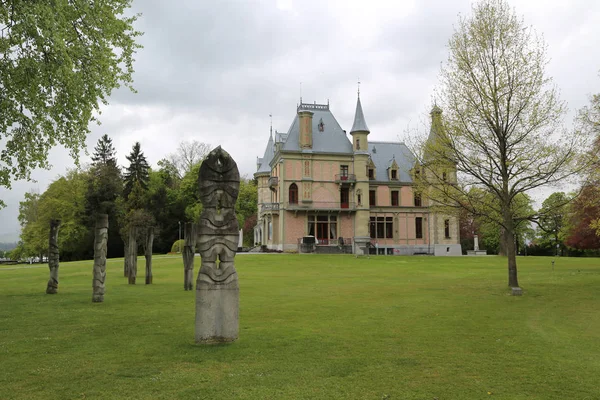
<point>213,71</point>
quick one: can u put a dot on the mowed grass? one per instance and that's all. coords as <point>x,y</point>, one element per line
<point>311,327</point>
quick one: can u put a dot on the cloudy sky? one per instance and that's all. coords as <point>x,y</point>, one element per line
<point>213,71</point>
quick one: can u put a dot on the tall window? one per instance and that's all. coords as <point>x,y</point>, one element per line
<point>419,227</point>
<point>357,144</point>
<point>447,228</point>
<point>372,198</point>
<point>395,174</point>
<point>395,198</point>
<point>344,172</point>
<point>371,173</point>
<point>381,227</point>
<point>323,227</point>
<point>417,199</point>
<point>444,176</point>
<point>293,194</point>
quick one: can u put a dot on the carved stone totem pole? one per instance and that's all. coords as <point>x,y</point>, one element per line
<point>217,290</point>
<point>52,287</point>
<point>189,249</point>
<point>99,272</point>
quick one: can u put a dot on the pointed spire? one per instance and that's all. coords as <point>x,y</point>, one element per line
<point>271,128</point>
<point>436,122</point>
<point>359,119</point>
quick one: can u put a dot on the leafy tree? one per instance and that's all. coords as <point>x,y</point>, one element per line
<point>579,231</point>
<point>501,126</point>
<point>245,208</point>
<point>137,171</point>
<point>59,60</point>
<point>188,155</point>
<point>65,200</point>
<point>552,220</point>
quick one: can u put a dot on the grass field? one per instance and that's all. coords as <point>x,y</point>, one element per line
<point>322,327</point>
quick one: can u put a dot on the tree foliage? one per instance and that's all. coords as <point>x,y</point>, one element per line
<point>188,155</point>
<point>136,173</point>
<point>501,129</point>
<point>59,60</point>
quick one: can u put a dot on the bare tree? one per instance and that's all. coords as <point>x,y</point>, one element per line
<point>187,155</point>
<point>501,130</point>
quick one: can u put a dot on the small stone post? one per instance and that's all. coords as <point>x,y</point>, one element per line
<point>52,287</point>
<point>99,273</point>
<point>217,289</point>
<point>475,243</point>
<point>132,253</point>
<point>126,258</point>
<point>148,254</point>
<point>189,248</point>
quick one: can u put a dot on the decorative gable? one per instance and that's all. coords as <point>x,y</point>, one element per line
<point>392,170</point>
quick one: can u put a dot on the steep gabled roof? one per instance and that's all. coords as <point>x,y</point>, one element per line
<point>264,162</point>
<point>331,138</point>
<point>384,153</point>
<point>360,125</point>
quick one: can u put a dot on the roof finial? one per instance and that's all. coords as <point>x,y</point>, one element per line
<point>271,129</point>
<point>359,87</point>
<point>300,93</point>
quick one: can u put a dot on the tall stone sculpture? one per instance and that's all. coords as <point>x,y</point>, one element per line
<point>189,248</point>
<point>148,254</point>
<point>132,254</point>
<point>52,287</point>
<point>99,273</point>
<point>217,290</point>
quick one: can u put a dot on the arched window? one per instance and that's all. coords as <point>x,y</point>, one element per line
<point>293,194</point>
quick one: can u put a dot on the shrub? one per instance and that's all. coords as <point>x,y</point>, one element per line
<point>177,246</point>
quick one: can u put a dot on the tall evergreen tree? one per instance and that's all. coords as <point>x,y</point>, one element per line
<point>104,152</point>
<point>137,172</point>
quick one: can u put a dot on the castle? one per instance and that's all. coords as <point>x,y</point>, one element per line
<point>315,184</point>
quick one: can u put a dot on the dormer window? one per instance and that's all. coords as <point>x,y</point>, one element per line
<point>394,174</point>
<point>371,173</point>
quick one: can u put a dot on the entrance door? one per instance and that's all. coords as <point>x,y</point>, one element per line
<point>345,198</point>
<point>322,229</point>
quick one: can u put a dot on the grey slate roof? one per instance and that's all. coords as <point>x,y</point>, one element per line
<point>333,139</point>
<point>359,119</point>
<point>382,154</point>
<point>267,157</point>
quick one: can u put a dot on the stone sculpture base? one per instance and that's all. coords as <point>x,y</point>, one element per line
<point>217,308</point>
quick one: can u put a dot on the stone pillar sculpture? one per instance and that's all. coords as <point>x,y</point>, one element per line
<point>52,287</point>
<point>132,254</point>
<point>148,254</point>
<point>189,248</point>
<point>126,258</point>
<point>217,290</point>
<point>99,273</point>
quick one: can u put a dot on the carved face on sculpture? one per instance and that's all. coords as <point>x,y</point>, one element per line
<point>218,180</point>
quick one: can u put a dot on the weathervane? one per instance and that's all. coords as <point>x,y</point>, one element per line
<point>358,87</point>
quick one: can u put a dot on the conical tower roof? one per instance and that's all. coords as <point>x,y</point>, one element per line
<point>360,124</point>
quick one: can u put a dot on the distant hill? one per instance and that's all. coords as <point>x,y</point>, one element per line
<point>7,246</point>
<point>9,237</point>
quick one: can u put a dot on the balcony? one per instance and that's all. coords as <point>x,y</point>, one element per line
<point>345,178</point>
<point>322,205</point>
<point>273,182</point>
<point>270,207</point>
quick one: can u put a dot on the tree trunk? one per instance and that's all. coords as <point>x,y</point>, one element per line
<point>189,249</point>
<point>509,243</point>
<point>126,258</point>
<point>148,254</point>
<point>132,255</point>
<point>52,287</point>
<point>99,273</point>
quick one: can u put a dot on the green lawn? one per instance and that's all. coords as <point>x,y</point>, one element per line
<point>323,327</point>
